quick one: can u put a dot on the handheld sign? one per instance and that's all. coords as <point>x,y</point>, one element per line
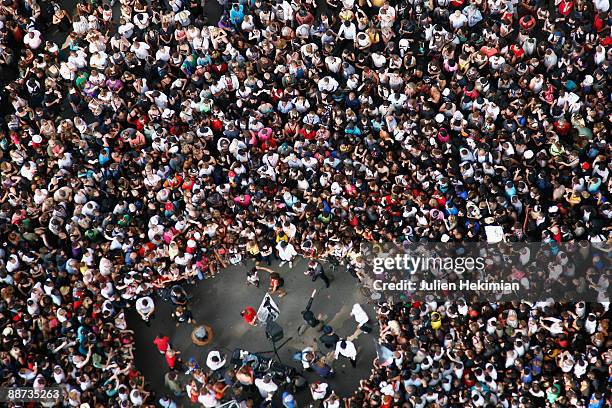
<point>494,234</point>
<point>268,310</point>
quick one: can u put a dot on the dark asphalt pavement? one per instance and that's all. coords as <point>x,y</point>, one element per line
<point>218,301</point>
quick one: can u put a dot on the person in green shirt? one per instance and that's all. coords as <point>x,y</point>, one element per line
<point>81,79</point>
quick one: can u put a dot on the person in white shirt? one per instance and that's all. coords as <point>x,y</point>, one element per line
<point>301,104</point>
<point>163,54</point>
<point>166,402</point>
<point>141,49</point>
<point>359,314</point>
<point>141,20</point>
<point>555,326</point>
<point>333,64</point>
<point>285,11</point>
<point>497,62</point>
<point>160,98</point>
<point>603,6</point>
<point>99,60</point>
<point>183,17</point>
<point>28,170</point>
<point>328,84</point>
<point>347,349</point>
<point>68,71</point>
<point>363,41</point>
<point>208,398</point>
<point>348,31</point>
<point>96,42</point>
<point>457,19</point>
<point>145,308</point>
<point>126,29</point>
<point>137,397</point>
<point>80,26</point>
<point>318,390</point>
<point>33,39</point>
<point>379,60</point>
<point>289,229</point>
<point>215,360</point>
<point>333,401</point>
<point>397,99</point>
<point>266,386</point>
<point>286,252</point>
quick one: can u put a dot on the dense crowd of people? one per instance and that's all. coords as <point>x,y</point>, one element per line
<point>462,354</point>
<point>153,146</point>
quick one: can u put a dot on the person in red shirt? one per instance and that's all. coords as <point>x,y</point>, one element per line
<point>276,285</point>
<point>599,22</point>
<point>161,342</point>
<point>249,315</point>
<point>387,401</point>
<point>565,8</point>
<point>172,358</point>
<point>517,52</point>
<point>307,132</point>
<point>216,125</point>
<point>562,127</point>
<point>527,22</point>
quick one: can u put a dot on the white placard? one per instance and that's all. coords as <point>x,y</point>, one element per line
<point>268,309</point>
<point>495,233</point>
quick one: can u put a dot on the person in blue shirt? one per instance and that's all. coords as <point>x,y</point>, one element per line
<point>237,14</point>
<point>322,369</point>
<point>353,130</point>
<point>288,400</point>
<point>596,401</point>
<point>104,156</point>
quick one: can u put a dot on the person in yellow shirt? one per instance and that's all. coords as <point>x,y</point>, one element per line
<point>281,236</point>
<point>573,198</point>
<point>253,249</point>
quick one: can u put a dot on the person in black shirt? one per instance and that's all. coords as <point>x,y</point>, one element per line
<point>309,317</point>
<point>315,270</point>
<point>329,338</point>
